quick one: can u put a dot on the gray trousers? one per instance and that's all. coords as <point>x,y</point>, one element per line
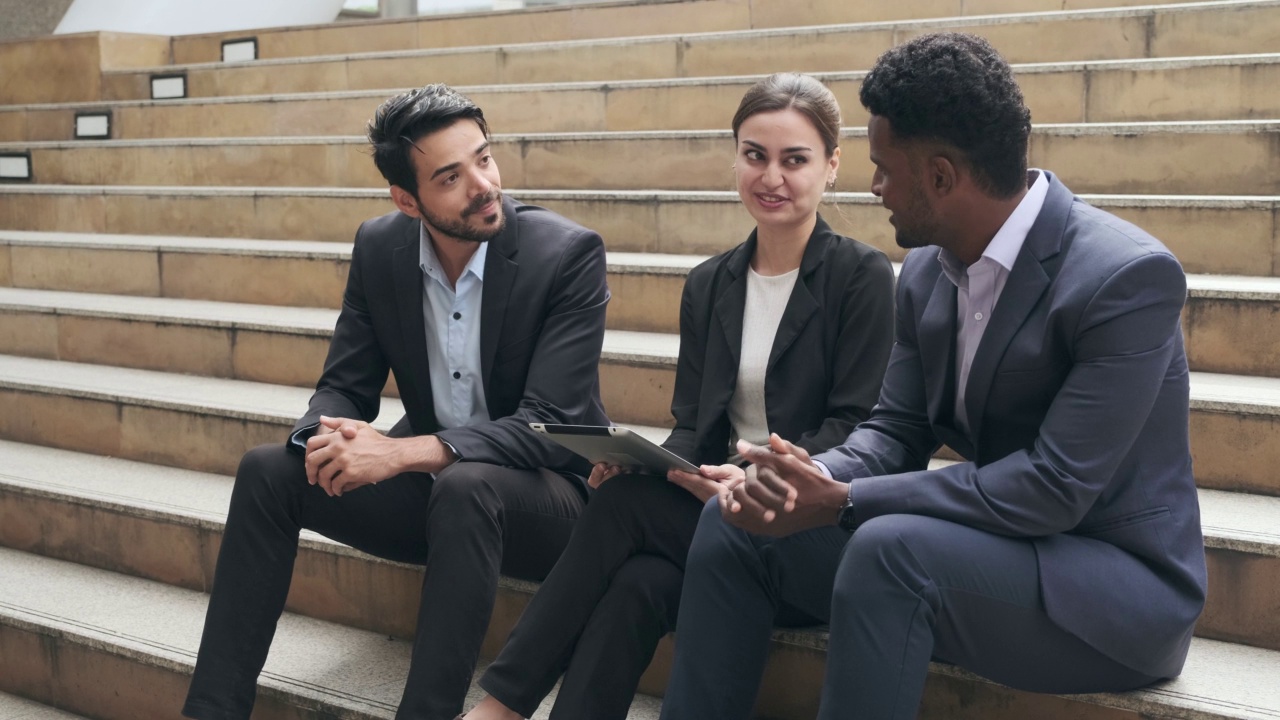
<point>902,590</point>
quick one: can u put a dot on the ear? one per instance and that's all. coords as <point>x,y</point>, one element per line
<point>405,201</point>
<point>833,163</point>
<point>942,175</point>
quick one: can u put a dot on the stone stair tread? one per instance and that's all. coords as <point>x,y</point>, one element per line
<point>344,669</point>
<point>1209,391</point>
<point>1240,521</point>
<point>236,398</point>
<point>13,707</point>
<point>1139,64</point>
<point>174,243</point>
<point>1222,680</point>
<point>1241,287</point>
<point>1225,202</point>
<point>1237,521</point>
<point>1171,127</point>
<point>301,320</point>
<point>919,25</point>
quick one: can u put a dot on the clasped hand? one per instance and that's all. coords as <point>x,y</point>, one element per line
<point>345,454</point>
<point>783,493</point>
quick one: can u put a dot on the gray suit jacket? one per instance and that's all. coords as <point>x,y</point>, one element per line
<point>541,329</point>
<point>1079,400</point>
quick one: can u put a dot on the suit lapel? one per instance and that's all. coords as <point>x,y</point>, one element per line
<point>801,305</point>
<point>936,339</point>
<point>732,299</point>
<point>407,273</point>
<point>499,276</point>
<point>1027,282</point>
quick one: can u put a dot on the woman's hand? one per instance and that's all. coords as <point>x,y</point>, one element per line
<point>601,472</point>
<point>709,480</point>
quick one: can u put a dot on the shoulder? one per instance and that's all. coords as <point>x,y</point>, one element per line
<point>1098,246</point>
<point>549,230</point>
<point>845,256</point>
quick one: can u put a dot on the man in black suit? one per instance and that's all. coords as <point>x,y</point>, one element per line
<point>491,315</point>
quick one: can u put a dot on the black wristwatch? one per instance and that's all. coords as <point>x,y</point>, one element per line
<point>845,517</point>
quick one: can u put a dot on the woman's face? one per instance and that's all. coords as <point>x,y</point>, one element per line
<point>782,168</point>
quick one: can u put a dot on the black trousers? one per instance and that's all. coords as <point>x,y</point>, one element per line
<point>900,591</point>
<point>469,523</point>
<point>600,613</point>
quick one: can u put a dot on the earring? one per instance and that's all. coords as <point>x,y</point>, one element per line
<point>832,182</point>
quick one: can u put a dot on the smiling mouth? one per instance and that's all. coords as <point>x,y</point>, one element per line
<point>770,198</point>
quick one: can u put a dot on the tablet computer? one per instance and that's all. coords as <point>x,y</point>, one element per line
<point>615,446</point>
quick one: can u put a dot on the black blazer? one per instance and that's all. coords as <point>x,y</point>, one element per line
<point>541,329</point>
<point>828,356</point>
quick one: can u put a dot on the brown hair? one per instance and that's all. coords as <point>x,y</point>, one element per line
<point>804,94</point>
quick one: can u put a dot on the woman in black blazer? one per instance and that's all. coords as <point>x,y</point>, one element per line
<point>788,333</point>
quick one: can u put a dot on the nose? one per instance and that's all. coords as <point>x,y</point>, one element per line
<point>877,181</point>
<point>772,176</point>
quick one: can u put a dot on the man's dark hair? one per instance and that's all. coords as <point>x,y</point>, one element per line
<point>955,88</point>
<point>404,119</point>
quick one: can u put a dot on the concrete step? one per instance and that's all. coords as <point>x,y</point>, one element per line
<point>1209,234</point>
<point>1220,157</point>
<point>71,506</point>
<point>13,707</point>
<point>210,329</point>
<point>122,648</point>
<point>1230,87</point>
<point>1206,28</point>
<point>586,21</point>
<point>206,423</point>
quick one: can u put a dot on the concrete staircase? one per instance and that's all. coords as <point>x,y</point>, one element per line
<point>167,292</point>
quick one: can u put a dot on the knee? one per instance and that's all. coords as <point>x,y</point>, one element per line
<point>715,540</point>
<point>464,487</point>
<point>883,553</point>
<point>646,587</point>
<point>269,471</point>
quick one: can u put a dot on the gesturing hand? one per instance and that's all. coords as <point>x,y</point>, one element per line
<point>783,493</point>
<point>345,454</point>
<point>709,480</point>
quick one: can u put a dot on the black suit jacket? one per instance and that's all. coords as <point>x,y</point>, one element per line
<point>541,329</point>
<point>828,356</point>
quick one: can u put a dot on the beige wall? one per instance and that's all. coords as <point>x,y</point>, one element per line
<point>28,18</point>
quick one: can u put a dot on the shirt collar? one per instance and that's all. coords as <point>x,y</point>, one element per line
<point>429,263</point>
<point>1007,243</point>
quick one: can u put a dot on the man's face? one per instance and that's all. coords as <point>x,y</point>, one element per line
<point>459,188</point>
<point>901,188</point>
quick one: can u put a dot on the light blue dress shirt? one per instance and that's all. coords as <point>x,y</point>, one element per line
<point>452,319</point>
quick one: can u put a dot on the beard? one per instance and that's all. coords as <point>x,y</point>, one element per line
<point>460,229</point>
<point>916,226</point>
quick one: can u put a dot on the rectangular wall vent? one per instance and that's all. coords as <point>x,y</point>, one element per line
<point>240,50</point>
<point>168,87</point>
<point>15,166</point>
<point>93,125</point>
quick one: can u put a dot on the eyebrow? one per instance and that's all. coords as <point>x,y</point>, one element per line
<point>796,148</point>
<point>454,166</point>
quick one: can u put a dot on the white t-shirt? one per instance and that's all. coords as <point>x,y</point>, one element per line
<point>767,298</point>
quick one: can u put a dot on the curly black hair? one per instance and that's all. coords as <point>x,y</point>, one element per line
<point>955,88</point>
<point>404,119</point>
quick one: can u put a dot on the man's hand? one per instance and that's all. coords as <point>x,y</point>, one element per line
<point>345,454</point>
<point>783,493</point>
<point>601,472</point>
<point>709,480</point>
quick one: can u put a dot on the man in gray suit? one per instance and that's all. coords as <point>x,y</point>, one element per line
<point>490,314</point>
<point>1040,340</point>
